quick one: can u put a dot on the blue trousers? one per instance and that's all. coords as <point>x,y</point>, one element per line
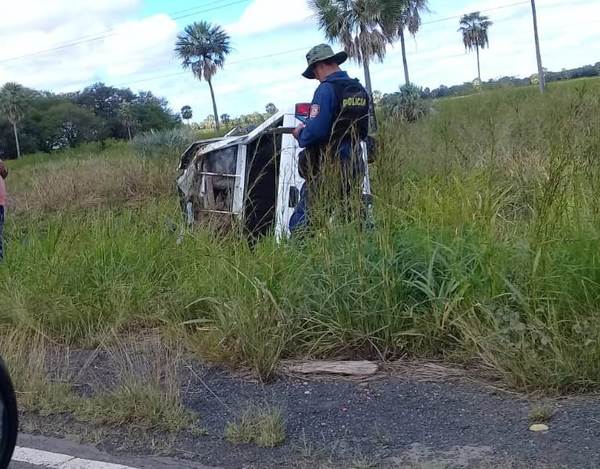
<point>350,179</point>
<point>299,219</point>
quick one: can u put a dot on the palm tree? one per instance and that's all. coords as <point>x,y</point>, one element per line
<point>203,47</point>
<point>186,113</point>
<point>13,104</point>
<point>474,29</point>
<point>359,25</point>
<point>542,76</point>
<point>410,19</point>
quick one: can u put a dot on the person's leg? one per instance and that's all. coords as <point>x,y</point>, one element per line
<point>299,219</point>
<point>1,232</point>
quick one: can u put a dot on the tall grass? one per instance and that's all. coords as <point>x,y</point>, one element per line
<point>165,143</point>
<point>486,248</point>
<point>147,392</point>
<point>112,178</point>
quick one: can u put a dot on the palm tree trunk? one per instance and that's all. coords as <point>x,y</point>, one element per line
<point>129,132</point>
<point>537,48</point>
<point>369,87</point>
<point>404,61</point>
<point>478,66</point>
<point>17,140</point>
<point>214,102</point>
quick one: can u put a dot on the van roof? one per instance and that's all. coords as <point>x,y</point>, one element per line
<point>213,144</point>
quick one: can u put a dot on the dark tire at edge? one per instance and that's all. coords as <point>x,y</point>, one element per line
<point>10,418</point>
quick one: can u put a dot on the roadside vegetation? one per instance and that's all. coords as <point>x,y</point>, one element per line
<point>143,390</point>
<point>263,427</point>
<point>485,252</point>
<point>130,381</point>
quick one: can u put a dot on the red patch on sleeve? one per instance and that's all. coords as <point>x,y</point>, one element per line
<point>315,109</point>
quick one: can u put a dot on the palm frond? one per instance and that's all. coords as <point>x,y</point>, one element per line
<point>360,26</point>
<point>203,47</point>
<point>410,16</point>
<point>474,29</point>
<point>13,101</point>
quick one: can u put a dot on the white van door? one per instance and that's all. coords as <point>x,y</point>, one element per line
<point>290,181</point>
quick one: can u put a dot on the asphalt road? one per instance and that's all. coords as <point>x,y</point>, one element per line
<point>393,421</point>
<point>52,453</point>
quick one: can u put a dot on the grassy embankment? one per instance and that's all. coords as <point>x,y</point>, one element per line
<point>487,249</point>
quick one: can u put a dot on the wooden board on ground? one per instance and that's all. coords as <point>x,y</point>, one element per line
<point>346,368</point>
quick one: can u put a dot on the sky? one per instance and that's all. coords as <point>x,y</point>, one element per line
<point>65,45</point>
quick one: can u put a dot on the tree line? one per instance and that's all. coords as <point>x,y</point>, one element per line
<point>227,122</point>
<point>44,121</point>
<point>443,91</point>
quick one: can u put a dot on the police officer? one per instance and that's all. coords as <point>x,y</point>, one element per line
<point>338,121</point>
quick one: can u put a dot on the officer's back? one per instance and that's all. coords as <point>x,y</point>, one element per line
<point>339,114</point>
<point>338,122</point>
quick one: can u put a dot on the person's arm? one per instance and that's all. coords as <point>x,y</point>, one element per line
<point>318,126</point>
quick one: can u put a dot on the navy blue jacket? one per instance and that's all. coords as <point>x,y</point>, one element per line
<point>318,127</point>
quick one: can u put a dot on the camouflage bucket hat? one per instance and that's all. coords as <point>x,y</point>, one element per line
<point>319,54</point>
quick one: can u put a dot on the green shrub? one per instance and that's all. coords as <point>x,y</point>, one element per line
<point>406,105</point>
<point>166,144</point>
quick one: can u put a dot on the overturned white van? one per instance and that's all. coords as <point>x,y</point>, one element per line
<point>248,180</point>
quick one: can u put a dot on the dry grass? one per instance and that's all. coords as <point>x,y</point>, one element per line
<point>137,385</point>
<point>68,185</point>
<point>541,413</point>
<point>146,392</point>
<point>28,357</point>
<point>262,426</point>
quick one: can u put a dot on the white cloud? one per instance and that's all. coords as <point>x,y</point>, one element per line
<point>44,15</point>
<point>283,86</point>
<point>131,46</point>
<point>139,45</point>
<point>269,15</point>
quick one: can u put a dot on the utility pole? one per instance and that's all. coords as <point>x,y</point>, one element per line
<point>537,48</point>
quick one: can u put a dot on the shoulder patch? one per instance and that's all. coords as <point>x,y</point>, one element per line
<point>315,110</point>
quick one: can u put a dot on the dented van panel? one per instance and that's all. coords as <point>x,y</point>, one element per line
<point>249,181</point>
